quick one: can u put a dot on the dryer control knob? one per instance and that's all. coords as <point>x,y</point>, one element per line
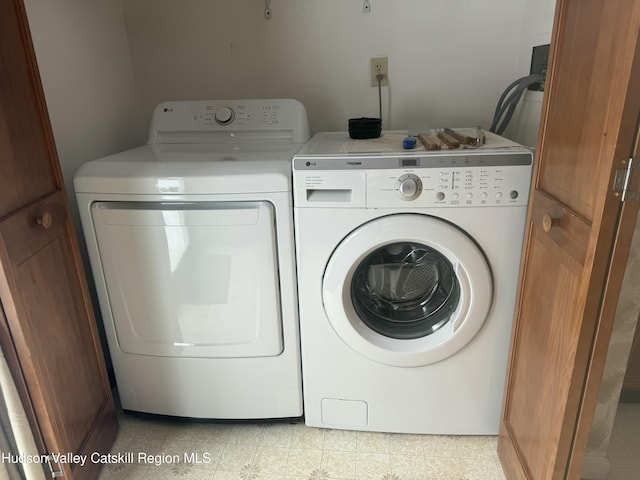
<point>224,115</point>
<point>408,187</point>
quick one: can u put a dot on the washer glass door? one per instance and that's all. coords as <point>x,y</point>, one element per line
<point>407,289</point>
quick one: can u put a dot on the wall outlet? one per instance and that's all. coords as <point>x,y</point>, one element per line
<point>379,65</point>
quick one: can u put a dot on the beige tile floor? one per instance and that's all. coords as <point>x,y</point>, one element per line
<point>168,450</point>
<point>208,451</point>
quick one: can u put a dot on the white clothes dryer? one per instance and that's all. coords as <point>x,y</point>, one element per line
<point>190,239</point>
<point>407,271</point>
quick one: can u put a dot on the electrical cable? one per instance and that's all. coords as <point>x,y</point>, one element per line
<point>379,77</point>
<point>509,100</point>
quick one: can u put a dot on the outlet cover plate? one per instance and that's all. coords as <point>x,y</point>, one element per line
<point>383,64</point>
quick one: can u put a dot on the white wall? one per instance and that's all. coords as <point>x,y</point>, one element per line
<point>536,26</point>
<point>87,75</point>
<point>449,60</point>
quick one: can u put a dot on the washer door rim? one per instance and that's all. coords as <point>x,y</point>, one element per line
<point>470,266</point>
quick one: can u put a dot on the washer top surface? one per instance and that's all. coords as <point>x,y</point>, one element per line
<point>206,147</point>
<point>339,145</point>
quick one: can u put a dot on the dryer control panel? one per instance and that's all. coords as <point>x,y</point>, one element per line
<point>487,179</point>
<point>225,121</point>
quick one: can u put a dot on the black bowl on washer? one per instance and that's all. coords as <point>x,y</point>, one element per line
<point>364,127</point>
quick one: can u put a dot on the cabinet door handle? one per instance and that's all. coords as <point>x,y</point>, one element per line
<point>548,222</point>
<point>45,220</point>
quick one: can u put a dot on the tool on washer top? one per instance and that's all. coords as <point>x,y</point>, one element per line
<point>429,141</point>
<point>462,138</point>
<point>449,140</point>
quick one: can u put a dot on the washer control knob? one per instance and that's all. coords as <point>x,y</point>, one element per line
<point>224,115</point>
<point>440,196</point>
<point>408,186</point>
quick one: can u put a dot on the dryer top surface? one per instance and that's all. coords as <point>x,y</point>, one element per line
<point>206,147</point>
<point>192,169</point>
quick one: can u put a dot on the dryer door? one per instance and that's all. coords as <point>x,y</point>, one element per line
<point>407,290</point>
<point>191,279</point>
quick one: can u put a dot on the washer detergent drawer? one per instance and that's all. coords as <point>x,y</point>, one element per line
<point>191,279</point>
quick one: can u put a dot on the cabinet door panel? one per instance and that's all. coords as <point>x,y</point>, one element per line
<point>25,138</point>
<point>47,329</point>
<point>575,240</point>
<point>51,325</point>
<point>547,340</point>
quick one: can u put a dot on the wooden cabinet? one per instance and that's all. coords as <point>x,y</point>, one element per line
<point>47,329</point>
<point>577,239</point>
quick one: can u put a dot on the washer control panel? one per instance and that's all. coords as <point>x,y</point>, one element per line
<point>503,185</point>
<point>499,178</point>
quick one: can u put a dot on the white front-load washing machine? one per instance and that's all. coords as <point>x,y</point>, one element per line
<point>190,239</point>
<point>407,271</point>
